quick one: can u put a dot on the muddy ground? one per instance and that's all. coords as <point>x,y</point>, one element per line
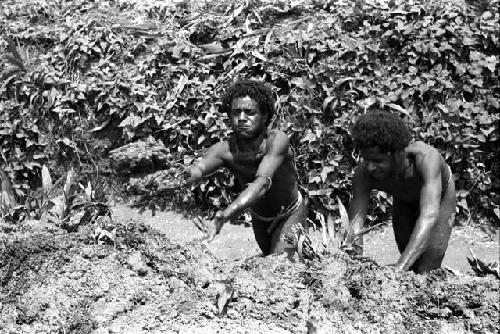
<point>237,241</point>
<point>53,281</point>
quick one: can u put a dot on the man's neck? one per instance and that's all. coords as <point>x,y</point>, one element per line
<point>251,144</point>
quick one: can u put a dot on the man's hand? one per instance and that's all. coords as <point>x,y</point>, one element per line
<point>220,219</point>
<point>351,233</point>
<point>396,266</point>
<point>353,243</point>
<point>183,176</point>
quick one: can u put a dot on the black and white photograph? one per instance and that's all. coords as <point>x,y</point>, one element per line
<point>249,166</point>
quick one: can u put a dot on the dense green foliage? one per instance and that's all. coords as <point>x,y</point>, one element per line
<point>89,77</point>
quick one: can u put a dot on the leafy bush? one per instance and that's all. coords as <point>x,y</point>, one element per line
<point>99,75</point>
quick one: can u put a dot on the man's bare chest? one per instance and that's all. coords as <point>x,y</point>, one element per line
<point>407,189</point>
<point>244,164</point>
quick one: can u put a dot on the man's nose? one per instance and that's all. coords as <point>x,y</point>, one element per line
<point>242,116</point>
<point>371,166</point>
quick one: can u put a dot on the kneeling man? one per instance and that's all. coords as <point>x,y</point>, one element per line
<point>420,182</point>
<point>262,163</point>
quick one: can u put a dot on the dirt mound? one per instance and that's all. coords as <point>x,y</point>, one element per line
<point>58,282</point>
<point>146,155</point>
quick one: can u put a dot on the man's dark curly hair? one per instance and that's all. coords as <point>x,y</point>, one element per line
<point>382,129</point>
<point>254,89</point>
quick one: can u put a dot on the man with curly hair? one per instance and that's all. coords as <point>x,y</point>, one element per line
<point>420,182</point>
<point>262,162</point>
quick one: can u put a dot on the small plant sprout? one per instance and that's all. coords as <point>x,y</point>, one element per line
<point>332,236</point>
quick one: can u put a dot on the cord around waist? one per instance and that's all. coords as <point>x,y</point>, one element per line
<point>285,211</point>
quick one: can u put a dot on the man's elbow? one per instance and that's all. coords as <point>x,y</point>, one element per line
<point>262,183</point>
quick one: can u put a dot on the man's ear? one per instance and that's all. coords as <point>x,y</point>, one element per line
<point>267,119</point>
<point>398,155</point>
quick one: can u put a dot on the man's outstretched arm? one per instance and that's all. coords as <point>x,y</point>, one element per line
<point>211,161</point>
<point>430,198</point>
<point>263,179</point>
<point>358,205</point>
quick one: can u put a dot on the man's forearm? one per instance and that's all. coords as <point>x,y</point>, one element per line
<point>356,225</point>
<point>249,196</point>
<point>356,222</point>
<point>418,241</point>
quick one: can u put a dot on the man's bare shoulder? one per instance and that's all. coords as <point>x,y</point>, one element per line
<point>278,140</point>
<point>427,158</point>
<point>275,134</point>
<point>220,149</point>
<point>421,150</point>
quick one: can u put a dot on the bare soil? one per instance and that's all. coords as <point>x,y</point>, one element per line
<point>237,241</point>
<point>157,277</point>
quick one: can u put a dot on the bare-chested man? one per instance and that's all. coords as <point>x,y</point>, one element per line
<point>420,182</point>
<point>262,163</point>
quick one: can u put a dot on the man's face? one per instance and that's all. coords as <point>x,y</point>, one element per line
<point>379,164</point>
<point>247,121</point>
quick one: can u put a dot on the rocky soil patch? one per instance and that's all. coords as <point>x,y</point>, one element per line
<point>52,281</point>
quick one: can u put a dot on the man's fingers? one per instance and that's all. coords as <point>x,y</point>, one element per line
<point>210,237</point>
<point>218,226</point>
<point>396,266</point>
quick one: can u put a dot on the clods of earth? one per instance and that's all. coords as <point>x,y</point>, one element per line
<point>140,281</point>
